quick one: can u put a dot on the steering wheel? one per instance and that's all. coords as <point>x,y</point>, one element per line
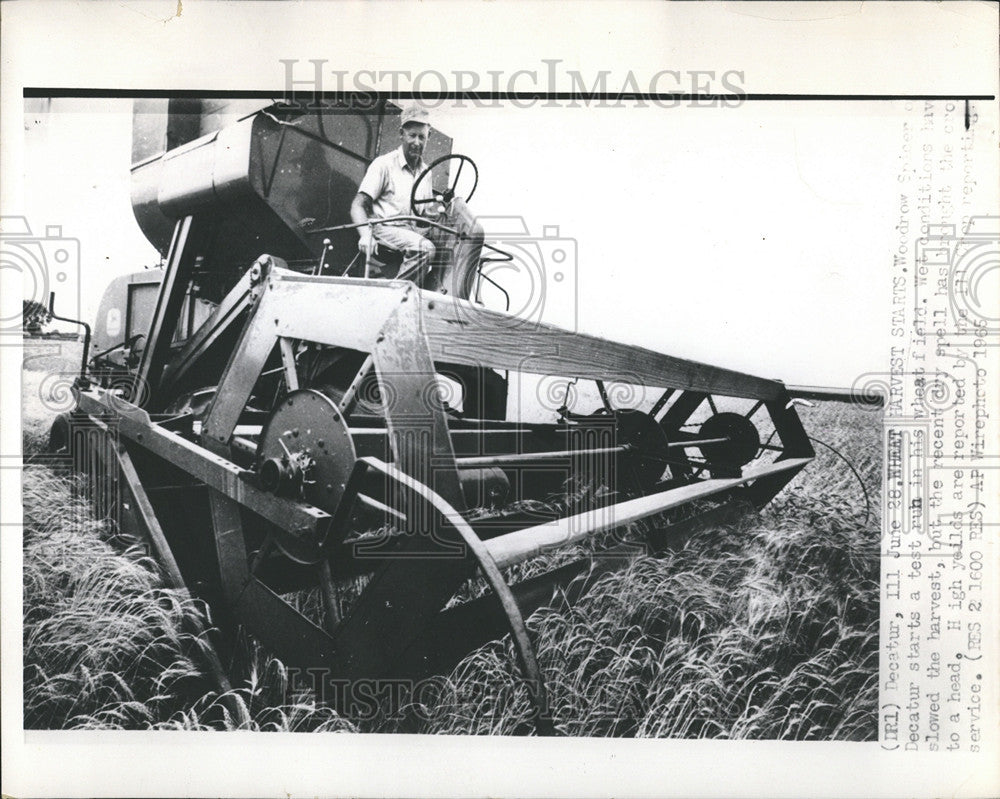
<point>448,194</point>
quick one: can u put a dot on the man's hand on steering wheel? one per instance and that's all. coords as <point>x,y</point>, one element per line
<point>443,197</point>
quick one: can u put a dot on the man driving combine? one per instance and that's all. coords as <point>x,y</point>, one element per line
<point>386,192</point>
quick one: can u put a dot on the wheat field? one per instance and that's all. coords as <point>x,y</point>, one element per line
<point>762,629</point>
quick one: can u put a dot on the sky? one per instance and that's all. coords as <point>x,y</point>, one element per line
<point>756,237</point>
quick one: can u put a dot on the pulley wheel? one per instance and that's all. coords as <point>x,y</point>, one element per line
<point>742,443</point>
<point>644,460</point>
<point>305,450</point>
<point>647,455</point>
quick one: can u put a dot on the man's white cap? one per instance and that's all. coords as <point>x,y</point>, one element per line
<point>414,113</point>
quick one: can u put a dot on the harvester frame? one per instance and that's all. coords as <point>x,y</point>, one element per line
<point>270,480</point>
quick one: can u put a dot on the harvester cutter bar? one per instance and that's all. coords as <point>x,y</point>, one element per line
<point>523,544</point>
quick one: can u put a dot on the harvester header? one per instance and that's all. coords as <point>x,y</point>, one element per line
<point>282,426</point>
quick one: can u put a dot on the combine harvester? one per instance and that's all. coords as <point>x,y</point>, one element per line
<point>272,421</point>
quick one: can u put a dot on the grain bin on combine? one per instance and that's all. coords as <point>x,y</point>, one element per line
<point>275,422</point>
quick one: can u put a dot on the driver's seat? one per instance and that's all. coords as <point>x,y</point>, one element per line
<point>385,261</point>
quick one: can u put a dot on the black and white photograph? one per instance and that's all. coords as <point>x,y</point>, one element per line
<point>384,402</point>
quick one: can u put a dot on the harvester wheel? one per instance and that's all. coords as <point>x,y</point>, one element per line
<point>59,435</point>
<point>71,434</point>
